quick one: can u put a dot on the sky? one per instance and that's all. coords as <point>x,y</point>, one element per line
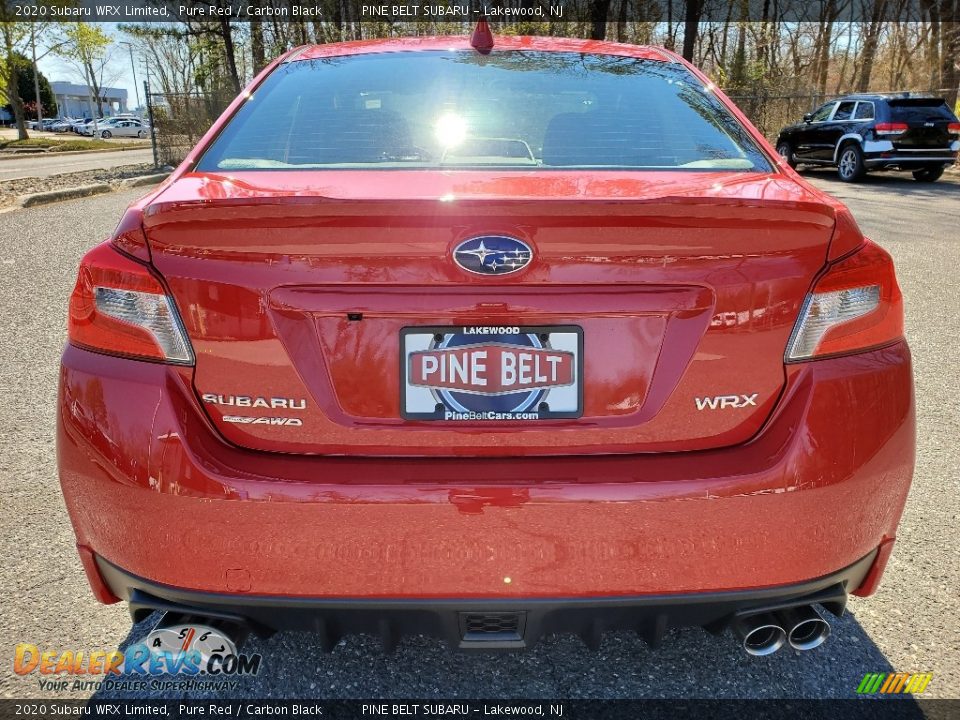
<point>118,73</point>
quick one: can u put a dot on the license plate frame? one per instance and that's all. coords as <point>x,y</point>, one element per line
<point>453,406</point>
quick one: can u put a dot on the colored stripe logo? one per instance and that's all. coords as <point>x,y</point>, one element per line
<point>893,683</point>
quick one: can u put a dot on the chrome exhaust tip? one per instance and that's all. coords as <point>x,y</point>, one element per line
<point>760,634</point>
<point>806,628</point>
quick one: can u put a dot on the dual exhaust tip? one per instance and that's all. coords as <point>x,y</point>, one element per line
<point>765,633</point>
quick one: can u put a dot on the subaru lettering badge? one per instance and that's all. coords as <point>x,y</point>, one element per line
<point>492,255</point>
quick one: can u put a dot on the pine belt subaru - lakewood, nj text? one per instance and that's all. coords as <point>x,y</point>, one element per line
<point>486,342</point>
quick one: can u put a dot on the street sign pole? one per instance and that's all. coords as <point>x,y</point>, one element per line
<point>153,127</point>
<point>36,76</point>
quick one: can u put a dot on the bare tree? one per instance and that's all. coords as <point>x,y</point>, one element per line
<point>599,10</point>
<point>691,24</point>
<point>871,30</point>
<point>86,47</point>
<point>169,52</point>
<point>950,58</point>
<point>13,34</point>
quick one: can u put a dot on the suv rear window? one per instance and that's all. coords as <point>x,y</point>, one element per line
<point>920,110</point>
<point>510,109</point>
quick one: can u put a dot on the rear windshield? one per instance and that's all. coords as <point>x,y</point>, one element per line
<point>512,109</point>
<point>920,110</point>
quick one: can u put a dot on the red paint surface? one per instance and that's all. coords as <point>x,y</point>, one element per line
<point>668,274</point>
<point>686,284</point>
<point>152,488</point>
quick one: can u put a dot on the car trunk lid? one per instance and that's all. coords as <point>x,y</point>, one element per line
<point>296,287</point>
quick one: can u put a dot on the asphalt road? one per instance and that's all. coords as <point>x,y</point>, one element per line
<point>47,164</point>
<point>910,625</point>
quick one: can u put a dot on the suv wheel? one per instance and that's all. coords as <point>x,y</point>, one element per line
<point>850,165</point>
<point>931,173</point>
<point>786,152</point>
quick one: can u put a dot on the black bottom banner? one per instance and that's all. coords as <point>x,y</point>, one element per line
<point>859,709</point>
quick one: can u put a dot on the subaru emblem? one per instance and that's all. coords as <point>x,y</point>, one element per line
<point>492,255</point>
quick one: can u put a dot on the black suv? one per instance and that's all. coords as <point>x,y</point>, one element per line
<point>857,133</point>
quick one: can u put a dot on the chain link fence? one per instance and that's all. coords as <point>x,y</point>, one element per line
<point>770,113</point>
<point>180,120</point>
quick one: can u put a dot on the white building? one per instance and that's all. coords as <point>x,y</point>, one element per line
<point>73,100</point>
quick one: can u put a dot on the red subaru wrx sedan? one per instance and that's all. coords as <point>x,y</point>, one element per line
<point>487,343</point>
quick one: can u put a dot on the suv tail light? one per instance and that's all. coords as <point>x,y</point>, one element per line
<point>119,307</point>
<point>954,128</point>
<point>856,305</point>
<point>890,128</point>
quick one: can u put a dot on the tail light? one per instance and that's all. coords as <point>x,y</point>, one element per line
<point>954,128</point>
<point>890,128</point>
<point>855,306</point>
<point>119,307</point>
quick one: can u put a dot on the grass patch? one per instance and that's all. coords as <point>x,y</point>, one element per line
<point>55,145</point>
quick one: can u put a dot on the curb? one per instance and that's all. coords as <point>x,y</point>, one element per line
<point>20,154</point>
<point>51,196</point>
<point>41,198</point>
<point>142,180</point>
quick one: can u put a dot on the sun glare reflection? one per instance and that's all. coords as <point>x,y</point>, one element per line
<point>450,129</point>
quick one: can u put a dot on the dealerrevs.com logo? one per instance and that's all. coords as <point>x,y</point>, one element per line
<point>173,658</point>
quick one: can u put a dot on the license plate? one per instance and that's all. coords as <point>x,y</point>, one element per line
<point>491,373</point>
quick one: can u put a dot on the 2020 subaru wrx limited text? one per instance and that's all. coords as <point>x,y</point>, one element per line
<point>487,345</point>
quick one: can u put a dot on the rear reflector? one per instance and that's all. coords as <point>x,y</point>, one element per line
<point>855,306</point>
<point>119,307</point>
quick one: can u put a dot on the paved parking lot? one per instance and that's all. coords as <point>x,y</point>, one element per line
<point>911,625</point>
<point>47,164</point>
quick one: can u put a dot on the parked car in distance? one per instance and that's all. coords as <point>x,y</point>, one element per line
<point>80,124</point>
<point>87,127</point>
<point>857,133</point>
<point>63,125</point>
<point>120,127</point>
<point>43,124</point>
<point>429,337</point>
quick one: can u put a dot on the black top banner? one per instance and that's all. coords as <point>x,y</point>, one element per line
<point>469,11</point>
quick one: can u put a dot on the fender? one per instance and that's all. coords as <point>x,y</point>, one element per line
<point>843,138</point>
<point>868,146</point>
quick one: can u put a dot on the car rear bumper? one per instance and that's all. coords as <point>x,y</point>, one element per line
<point>152,490</point>
<point>466,623</point>
<point>910,159</point>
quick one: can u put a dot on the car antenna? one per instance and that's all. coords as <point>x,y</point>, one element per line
<point>482,38</point>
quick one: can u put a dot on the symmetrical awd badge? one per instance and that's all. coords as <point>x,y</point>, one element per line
<point>492,255</point>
